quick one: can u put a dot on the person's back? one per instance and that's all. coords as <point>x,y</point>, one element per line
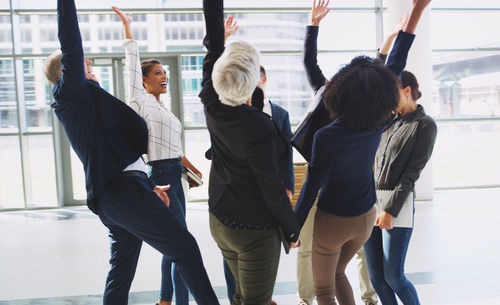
<point>236,134</point>
<point>348,188</point>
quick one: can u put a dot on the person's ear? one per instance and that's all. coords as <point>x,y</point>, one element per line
<point>144,81</point>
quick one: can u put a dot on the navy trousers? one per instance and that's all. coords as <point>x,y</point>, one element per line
<point>133,213</point>
<point>163,172</point>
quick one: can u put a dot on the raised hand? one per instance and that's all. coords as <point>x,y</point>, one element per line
<point>126,20</point>
<point>400,25</point>
<point>416,12</point>
<point>319,11</point>
<point>230,27</point>
<point>386,46</point>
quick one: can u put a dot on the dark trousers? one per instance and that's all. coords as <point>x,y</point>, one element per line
<point>230,284</point>
<point>253,257</point>
<point>163,172</point>
<point>134,213</point>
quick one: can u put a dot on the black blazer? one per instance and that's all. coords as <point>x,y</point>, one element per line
<point>105,133</point>
<point>244,183</point>
<point>282,120</point>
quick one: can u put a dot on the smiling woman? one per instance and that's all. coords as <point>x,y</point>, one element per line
<point>165,153</point>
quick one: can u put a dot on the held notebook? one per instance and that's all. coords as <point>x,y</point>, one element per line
<point>190,176</point>
<point>405,216</point>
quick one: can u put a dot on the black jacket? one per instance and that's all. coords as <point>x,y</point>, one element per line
<point>405,147</point>
<point>106,134</point>
<point>244,183</point>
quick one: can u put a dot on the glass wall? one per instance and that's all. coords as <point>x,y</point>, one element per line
<point>466,65</point>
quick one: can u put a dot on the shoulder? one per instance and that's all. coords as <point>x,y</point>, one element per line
<point>427,123</point>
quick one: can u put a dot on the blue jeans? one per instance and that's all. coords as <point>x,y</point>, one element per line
<point>385,256</point>
<point>163,172</point>
<point>133,213</point>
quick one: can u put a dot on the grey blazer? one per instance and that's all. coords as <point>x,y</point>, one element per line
<point>405,147</point>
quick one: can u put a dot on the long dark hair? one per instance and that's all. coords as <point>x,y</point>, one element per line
<point>409,79</point>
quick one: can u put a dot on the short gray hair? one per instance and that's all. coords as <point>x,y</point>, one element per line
<point>53,67</point>
<point>236,73</point>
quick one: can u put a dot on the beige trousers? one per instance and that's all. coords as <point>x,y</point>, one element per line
<point>368,294</point>
<point>305,284</point>
<point>335,241</point>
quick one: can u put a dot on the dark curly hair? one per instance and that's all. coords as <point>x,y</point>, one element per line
<point>363,94</point>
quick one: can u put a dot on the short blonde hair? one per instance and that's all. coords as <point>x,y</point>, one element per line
<point>53,69</point>
<point>236,73</point>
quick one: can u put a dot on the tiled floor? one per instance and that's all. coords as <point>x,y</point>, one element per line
<point>60,256</point>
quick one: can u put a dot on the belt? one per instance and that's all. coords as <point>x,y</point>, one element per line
<point>138,174</point>
<point>158,162</point>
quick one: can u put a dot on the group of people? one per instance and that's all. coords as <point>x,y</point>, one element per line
<point>374,137</point>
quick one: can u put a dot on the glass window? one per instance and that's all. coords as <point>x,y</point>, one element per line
<point>30,4</point>
<point>466,154</point>
<point>5,35</point>
<point>480,30</point>
<point>466,84</point>
<point>41,170</point>
<point>466,4</point>
<point>37,103</point>
<point>11,184</point>
<point>8,108</point>
<point>197,143</point>
<point>77,177</point>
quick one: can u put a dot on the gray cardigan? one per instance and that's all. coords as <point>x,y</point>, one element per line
<point>405,147</point>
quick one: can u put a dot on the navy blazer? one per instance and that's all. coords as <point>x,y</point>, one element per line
<point>282,120</point>
<point>105,133</point>
<point>345,179</point>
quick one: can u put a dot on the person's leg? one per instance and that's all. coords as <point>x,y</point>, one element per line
<point>230,284</point>
<point>164,173</point>
<point>125,249</point>
<point>361,227</point>
<point>305,284</point>
<point>134,206</point>
<point>395,243</point>
<point>326,249</point>
<point>218,231</point>
<point>368,294</point>
<point>374,254</point>
<point>253,257</point>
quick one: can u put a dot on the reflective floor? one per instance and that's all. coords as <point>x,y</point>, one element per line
<point>60,256</point>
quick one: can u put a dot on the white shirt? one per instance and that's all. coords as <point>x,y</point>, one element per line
<point>164,128</point>
<point>267,107</point>
<point>138,165</point>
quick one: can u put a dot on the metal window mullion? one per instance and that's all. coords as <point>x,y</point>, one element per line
<point>118,78</point>
<point>379,22</point>
<point>21,114</point>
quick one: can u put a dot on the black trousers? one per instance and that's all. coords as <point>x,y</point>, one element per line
<point>133,213</point>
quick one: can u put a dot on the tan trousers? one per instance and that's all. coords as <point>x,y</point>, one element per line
<point>305,284</point>
<point>335,241</point>
<point>368,294</point>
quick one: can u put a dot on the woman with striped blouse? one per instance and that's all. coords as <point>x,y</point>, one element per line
<point>147,81</point>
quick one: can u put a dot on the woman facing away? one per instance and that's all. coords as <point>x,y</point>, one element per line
<point>360,98</point>
<point>406,146</point>
<point>248,205</point>
<point>147,81</point>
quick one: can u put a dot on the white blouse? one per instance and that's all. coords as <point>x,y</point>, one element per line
<point>163,126</point>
